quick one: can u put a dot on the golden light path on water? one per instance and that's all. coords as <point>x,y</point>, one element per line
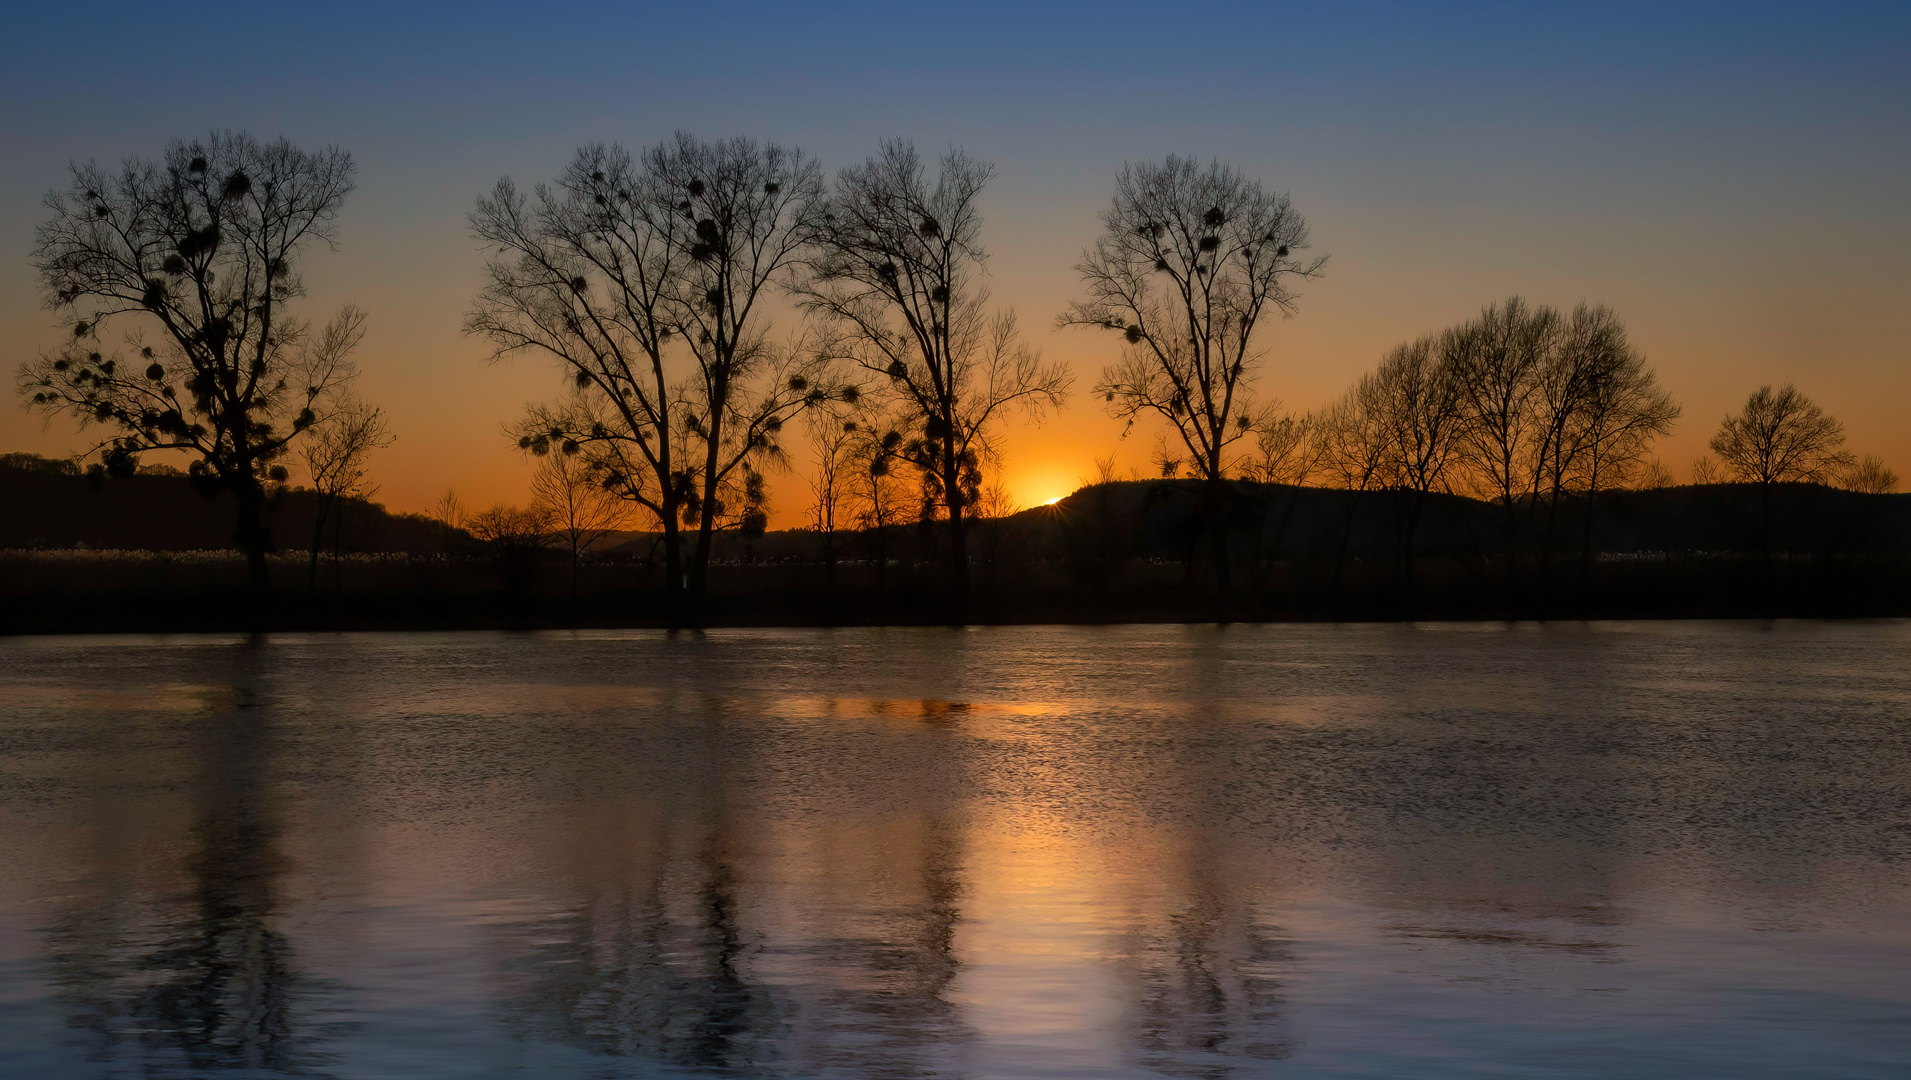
<point>1590,850</point>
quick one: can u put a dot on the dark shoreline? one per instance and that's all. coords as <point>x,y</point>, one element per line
<point>294,612</point>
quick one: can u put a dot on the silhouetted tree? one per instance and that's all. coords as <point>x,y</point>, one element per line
<point>1621,410</point>
<point>1353,446</point>
<point>570,491</point>
<point>1868,475</point>
<point>830,437</point>
<point>1417,398</point>
<point>644,279</point>
<point>873,489</point>
<point>1499,359</point>
<point>200,250</point>
<point>896,275</point>
<point>335,453</point>
<point>1779,437</point>
<point>1189,261</point>
<point>745,213</point>
<point>514,540</point>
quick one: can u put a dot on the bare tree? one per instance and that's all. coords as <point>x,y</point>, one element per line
<point>570,491</point>
<point>874,489</point>
<point>897,276</point>
<point>644,280</point>
<point>1780,437</point>
<point>1499,359</point>
<point>832,455</point>
<point>1288,455</point>
<point>1417,399</point>
<point>1189,262</point>
<point>513,539</point>
<point>200,249</point>
<point>1353,447</point>
<point>335,452</point>
<point>1620,412</point>
<point>745,213</point>
<point>1868,475</point>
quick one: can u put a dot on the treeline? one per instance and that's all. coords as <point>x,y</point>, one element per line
<point>720,312</point>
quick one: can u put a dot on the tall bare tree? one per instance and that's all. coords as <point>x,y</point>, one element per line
<point>1190,261</point>
<point>1621,411</point>
<point>1416,394</point>
<point>746,212</point>
<point>194,258</point>
<point>1499,360</point>
<point>645,279</point>
<point>897,275</point>
<point>335,454</point>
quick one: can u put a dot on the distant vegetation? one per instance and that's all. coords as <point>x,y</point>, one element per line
<point>1503,465</point>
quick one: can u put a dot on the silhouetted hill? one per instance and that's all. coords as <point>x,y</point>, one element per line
<point>1163,518</point>
<point>47,503</point>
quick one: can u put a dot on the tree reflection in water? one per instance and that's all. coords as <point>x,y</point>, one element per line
<point>199,982</point>
<point>701,930</point>
<point>649,969</point>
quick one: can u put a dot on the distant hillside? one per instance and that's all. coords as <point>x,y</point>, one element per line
<point>49,504</point>
<point>1162,517</point>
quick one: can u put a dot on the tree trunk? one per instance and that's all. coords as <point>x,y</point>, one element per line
<point>318,541</point>
<point>1585,548</point>
<point>1346,535</point>
<point>1215,502</point>
<point>958,539</point>
<point>1415,508</point>
<point>673,550</point>
<point>249,533</point>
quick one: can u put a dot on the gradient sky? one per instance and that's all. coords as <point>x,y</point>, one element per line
<point>1735,179</point>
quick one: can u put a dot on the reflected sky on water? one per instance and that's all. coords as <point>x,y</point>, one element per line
<point>1292,851</point>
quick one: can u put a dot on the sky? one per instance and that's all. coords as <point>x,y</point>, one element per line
<point>1734,179</point>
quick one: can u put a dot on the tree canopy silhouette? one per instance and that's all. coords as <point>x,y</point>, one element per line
<point>896,274</point>
<point>1190,261</point>
<point>646,278</point>
<point>193,258</point>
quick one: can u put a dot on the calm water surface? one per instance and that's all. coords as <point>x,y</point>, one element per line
<point>1617,850</point>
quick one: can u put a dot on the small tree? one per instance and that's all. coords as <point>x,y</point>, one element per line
<point>1779,437</point>
<point>335,453</point>
<point>1287,456</point>
<point>832,440</point>
<point>514,540</point>
<point>1353,444</point>
<point>1868,475</point>
<point>571,493</point>
<point>896,275</point>
<point>199,250</point>
<point>1189,262</point>
<point>874,489</point>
